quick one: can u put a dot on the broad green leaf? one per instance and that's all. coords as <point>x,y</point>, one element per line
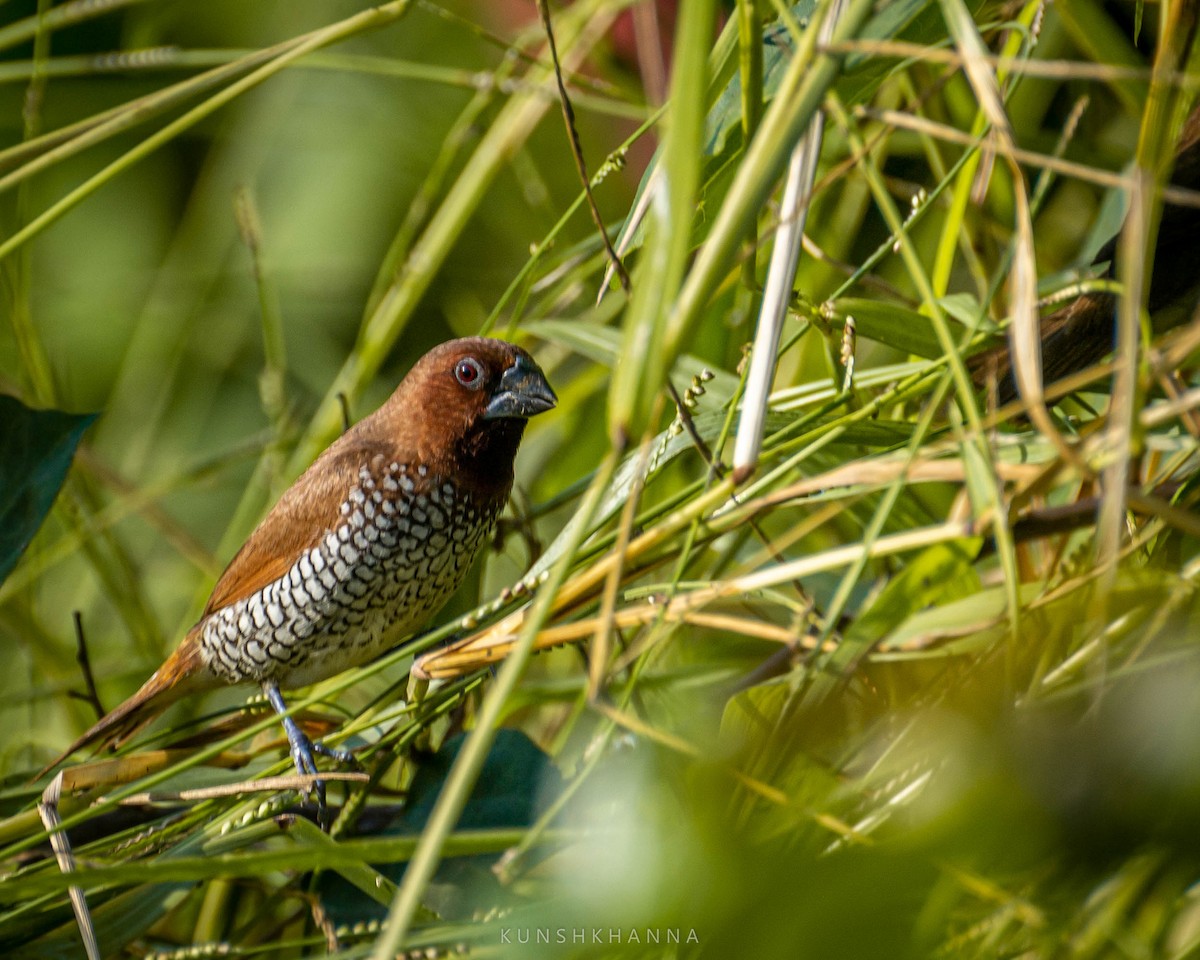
<point>1098,245</point>
<point>603,345</point>
<point>964,308</point>
<point>890,324</point>
<point>933,577</point>
<point>959,616</point>
<point>777,45</point>
<point>516,782</point>
<point>36,447</point>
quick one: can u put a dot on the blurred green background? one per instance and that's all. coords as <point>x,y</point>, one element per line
<point>985,750</point>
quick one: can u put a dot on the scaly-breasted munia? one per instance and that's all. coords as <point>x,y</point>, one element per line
<point>365,546</point>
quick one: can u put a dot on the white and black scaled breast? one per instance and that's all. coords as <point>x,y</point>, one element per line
<point>404,543</point>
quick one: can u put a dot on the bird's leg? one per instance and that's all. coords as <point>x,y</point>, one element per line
<point>303,749</point>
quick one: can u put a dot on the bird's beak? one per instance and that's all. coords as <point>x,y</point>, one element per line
<point>523,392</point>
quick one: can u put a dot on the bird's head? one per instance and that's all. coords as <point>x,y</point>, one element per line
<point>463,406</point>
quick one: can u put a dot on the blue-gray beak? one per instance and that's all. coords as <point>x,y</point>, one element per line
<point>523,392</point>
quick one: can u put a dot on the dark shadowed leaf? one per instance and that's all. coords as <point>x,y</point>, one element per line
<point>36,447</point>
<point>117,921</point>
<point>516,783</point>
<point>514,777</point>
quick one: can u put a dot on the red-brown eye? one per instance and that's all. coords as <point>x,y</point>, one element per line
<point>469,373</point>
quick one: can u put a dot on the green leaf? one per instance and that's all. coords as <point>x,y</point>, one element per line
<point>777,49</point>
<point>118,921</point>
<point>652,333</point>
<point>516,782</point>
<point>507,794</point>
<point>890,324</point>
<point>954,616</point>
<point>1098,245</point>
<point>603,345</point>
<point>935,576</point>
<point>36,447</point>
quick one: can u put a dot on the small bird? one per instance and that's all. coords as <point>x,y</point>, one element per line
<point>364,547</point>
<point>1083,331</point>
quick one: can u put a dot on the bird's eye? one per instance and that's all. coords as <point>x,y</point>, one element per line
<point>469,373</point>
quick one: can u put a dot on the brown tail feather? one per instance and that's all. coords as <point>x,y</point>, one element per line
<point>183,672</point>
<point>1075,336</point>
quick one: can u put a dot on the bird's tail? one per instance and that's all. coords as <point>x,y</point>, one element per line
<point>1073,337</point>
<point>182,673</point>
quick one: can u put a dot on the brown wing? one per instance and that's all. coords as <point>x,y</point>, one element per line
<point>308,509</point>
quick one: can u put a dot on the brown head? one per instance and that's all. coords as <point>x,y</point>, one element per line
<point>462,409</point>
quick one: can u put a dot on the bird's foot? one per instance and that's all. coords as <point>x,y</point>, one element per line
<point>333,753</point>
<point>303,751</point>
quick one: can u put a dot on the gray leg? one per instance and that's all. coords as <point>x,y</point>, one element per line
<point>303,749</point>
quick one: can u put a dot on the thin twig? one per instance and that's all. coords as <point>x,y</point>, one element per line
<point>577,149</point>
<point>291,781</point>
<point>85,667</point>
<point>323,922</point>
<point>685,417</point>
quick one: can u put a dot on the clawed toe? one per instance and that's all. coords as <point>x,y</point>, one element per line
<point>344,757</point>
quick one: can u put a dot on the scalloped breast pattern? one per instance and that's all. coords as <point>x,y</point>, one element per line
<point>395,558</point>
